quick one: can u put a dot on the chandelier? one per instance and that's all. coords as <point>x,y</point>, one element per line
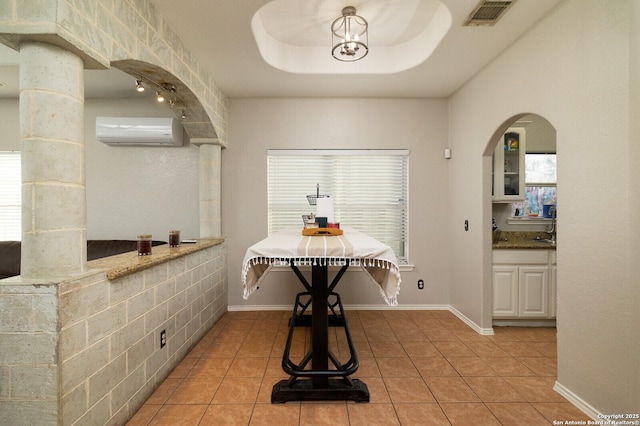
<point>349,36</point>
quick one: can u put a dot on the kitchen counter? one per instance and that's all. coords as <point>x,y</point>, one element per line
<point>125,264</point>
<point>522,240</point>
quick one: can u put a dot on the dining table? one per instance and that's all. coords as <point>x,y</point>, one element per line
<point>320,374</point>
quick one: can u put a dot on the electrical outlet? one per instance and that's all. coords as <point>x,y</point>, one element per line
<point>420,284</point>
<point>163,338</point>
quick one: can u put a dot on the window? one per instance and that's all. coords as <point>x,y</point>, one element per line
<point>369,190</point>
<point>540,184</point>
<point>10,196</point>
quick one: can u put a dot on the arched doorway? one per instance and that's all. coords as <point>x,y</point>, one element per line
<point>523,206</point>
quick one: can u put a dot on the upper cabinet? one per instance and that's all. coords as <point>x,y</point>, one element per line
<point>508,166</point>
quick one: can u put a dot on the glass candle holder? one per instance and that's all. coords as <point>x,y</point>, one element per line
<point>174,238</point>
<point>144,245</point>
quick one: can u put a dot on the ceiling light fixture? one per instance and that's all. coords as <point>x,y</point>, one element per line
<point>139,86</point>
<point>349,36</point>
<point>159,97</point>
<point>183,115</point>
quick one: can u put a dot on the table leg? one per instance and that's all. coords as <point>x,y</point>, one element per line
<point>319,324</point>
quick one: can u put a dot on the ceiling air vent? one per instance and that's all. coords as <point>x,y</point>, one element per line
<point>488,12</point>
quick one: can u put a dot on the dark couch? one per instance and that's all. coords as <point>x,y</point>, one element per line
<point>10,252</point>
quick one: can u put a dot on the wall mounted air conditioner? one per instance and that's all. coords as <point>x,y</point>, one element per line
<point>139,131</point>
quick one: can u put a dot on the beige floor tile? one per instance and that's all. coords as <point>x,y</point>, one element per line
<point>179,415</point>
<point>380,334</point>
<point>368,368</point>
<point>508,367</point>
<point>227,415</point>
<point>542,366</point>
<point>519,348</point>
<point>560,411</point>
<point>144,415</point>
<point>535,389</point>
<point>517,414</point>
<point>387,349</point>
<point>238,390</point>
<point>321,414</point>
<point>183,369</point>
<point>434,367</point>
<point>195,391</point>
<point>439,334</point>
<point>420,349</point>
<point>493,389</point>
<point>222,350</point>
<point>408,389</point>
<point>210,367</point>
<point>256,348</point>
<point>378,393</point>
<point>276,414</point>
<point>451,389</point>
<point>421,414</point>
<point>456,348</point>
<point>247,367</point>
<point>372,414</point>
<point>486,348</point>
<point>466,414</point>
<point>397,367</point>
<point>471,366</point>
<point>163,392</point>
<point>411,335</point>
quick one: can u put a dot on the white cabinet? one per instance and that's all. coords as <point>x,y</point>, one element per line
<point>553,284</point>
<point>508,166</point>
<point>523,284</point>
<point>533,291</point>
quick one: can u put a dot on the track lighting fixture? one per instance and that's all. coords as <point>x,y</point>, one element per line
<point>139,86</point>
<point>159,96</point>
<point>183,115</point>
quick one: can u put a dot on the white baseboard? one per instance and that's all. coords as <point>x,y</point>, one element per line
<point>473,325</point>
<point>577,401</point>
<point>381,307</point>
<point>524,323</point>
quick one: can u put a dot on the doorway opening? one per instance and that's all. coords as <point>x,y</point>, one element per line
<point>523,209</point>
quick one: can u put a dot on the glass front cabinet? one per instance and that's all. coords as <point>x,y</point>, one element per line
<point>508,166</point>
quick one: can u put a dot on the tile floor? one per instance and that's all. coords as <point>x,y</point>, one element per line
<point>421,368</point>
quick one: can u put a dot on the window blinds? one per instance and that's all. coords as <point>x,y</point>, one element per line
<point>10,196</point>
<point>369,190</point>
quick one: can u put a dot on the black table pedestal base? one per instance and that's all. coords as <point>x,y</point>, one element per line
<point>337,390</point>
<point>327,378</point>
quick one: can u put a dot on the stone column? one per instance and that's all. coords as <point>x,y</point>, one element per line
<point>53,178</point>
<point>210,164</point>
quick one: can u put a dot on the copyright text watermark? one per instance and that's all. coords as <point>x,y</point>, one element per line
<point>632,419</point>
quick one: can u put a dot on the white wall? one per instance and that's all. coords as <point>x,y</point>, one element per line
<point>256,125</point>
<point>572,69</point>
<point>130,190</point>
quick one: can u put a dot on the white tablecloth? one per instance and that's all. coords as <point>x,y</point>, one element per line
<point>375,258</point>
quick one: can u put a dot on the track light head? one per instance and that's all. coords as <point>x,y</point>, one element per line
<point>159,96</point>
<point>139,86</point>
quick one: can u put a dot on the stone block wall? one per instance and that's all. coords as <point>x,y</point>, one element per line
<point>86,351</point>
<point>28,358</point>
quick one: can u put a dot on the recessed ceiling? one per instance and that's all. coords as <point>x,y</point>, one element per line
<point>294,36</point>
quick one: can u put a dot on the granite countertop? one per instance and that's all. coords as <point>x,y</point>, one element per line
<point>124,264</point>
<point>522,240</point>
